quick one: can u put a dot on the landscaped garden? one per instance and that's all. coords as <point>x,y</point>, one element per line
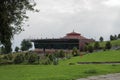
<point>64,70</point>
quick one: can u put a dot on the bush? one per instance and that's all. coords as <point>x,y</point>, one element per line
<point>5,62</point>
<point>8,57</point>
<point>108,45</point>
<point>55,61</point>
<point>32,58</point>
<point>61,54</point>
<point>19,58</point>
<point>75,52</point>
<point>27,55</point>
<point>46,61</point>
<point>90,49</point>
<point>51,57</point>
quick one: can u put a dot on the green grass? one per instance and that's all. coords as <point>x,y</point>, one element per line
<point>111,55</point>
<point>114,43</point>
<point>63,71</point>
<point>50,72</point>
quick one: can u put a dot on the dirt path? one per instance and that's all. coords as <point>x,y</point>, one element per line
<point>115,76</point>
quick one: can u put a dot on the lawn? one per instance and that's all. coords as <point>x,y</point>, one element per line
<point>112,55</point>
<point>63,71</point>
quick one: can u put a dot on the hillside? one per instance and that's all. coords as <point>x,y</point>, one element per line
<point>112,55</point>
<point>114,43</point>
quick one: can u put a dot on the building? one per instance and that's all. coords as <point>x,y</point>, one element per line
<point>67,42</point>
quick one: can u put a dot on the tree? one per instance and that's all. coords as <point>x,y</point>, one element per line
<point>16,49</point>
<point>111,37</point>
<point>108,45</point>
<point>25,45</point>
<point>12,16</point>
<point>96,45</point>
<point>115,37</point>
<point>118,36</point>
<point>101,39</point>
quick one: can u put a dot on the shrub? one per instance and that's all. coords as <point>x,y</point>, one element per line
<point>51,57</point>
<point>61,54</point>
<point>55,61</point>
<point>27,55</point>
<point>75,52</point>
<point>19,58</point>
<point>5,62</point>
<point>90,48</point>
<point>46,61</point>
<point>8,57</point>
<point>108,45</point>
<point>32,58</point>
<point>96,45</point>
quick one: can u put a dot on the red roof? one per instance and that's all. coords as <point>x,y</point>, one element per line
<point>74,35</point>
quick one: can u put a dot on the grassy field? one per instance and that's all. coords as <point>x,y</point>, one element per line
<point>114,43</point>
<point>113,55</point>
<point>63,71</point>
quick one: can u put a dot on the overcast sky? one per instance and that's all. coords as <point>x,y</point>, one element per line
<point>91,18</point>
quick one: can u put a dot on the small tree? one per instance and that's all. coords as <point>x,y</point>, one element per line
<point>118,36</point>
<point>115,37</point>
<point>96,45</point>
<point>16,49</point>
<point>75,52</point>
<point>111,37</point>
<point>108,45</point>
<point>101,39</point>
<point>25,45</point>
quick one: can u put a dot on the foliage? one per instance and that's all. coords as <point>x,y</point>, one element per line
<point>25,45</point>
<point>32,58</point>
<point>90,48</point>
<point>27,55</point>
<point>12,16</point>
<point>63,71</point>
<point>61,54</point>
<point>101,39</point>
<point>75,52</point>
<point>19,59</point>
<point>86,48</point>
<point>96,45</point>
<point>115,37</point>
<point>55,61</point>
<point>118,36</point>
<point>46,61</point>
<point>111,37</point>
<point>108,45</point>
<point>16,49</point>
<point>8,57</point>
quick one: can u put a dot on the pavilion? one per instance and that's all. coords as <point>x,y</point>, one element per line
<point>67,42</point>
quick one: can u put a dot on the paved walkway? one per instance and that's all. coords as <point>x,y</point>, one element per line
<point>115,76</point>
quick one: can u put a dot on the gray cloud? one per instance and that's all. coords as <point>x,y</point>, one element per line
<point>91,18</point>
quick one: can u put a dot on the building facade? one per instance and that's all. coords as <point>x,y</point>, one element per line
<point>67,42</point>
